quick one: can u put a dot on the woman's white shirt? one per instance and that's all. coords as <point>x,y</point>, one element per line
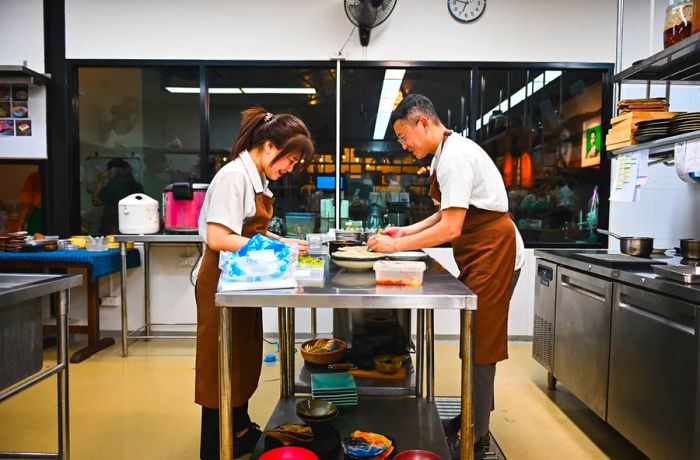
<point>230,198</point>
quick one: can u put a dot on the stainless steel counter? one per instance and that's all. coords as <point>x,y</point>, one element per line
<point>644,278</point>
<point>16,289</point>
<point>160,238</point>
<point>344,289</point>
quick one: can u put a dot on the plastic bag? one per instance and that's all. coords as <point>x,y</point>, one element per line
<point>263,263</point>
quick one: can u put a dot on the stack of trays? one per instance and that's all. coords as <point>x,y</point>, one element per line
<point>15,241</point>
<point>340,388</point>
<point>685,123</point>
<point>652,129</point>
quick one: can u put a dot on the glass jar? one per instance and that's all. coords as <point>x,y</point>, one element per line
<point>679,22</point>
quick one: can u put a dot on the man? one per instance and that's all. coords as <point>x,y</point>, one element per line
<point>474,218</point>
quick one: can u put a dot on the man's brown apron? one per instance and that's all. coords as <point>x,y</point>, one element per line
<point>246,346</point>
<point>485,255</point>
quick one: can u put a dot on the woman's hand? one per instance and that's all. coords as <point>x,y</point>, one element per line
<point>383,243</point>
<point>394,232</point>
<point>301,244</point>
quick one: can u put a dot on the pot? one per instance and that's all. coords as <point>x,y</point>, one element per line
<point>348,235</point>
<point>138,215</point>
<point>182,203</point>
<point>690,248</point>
<point>638,246</point>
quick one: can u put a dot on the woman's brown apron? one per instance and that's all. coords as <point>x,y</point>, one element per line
<point>485,255</point>
<point>246,346</point>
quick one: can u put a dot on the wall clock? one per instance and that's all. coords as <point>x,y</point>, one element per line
<point>466,10</point>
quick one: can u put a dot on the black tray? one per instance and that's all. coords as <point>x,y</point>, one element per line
<point>619,260</point>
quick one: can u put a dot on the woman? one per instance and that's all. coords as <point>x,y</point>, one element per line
<point>238,204</point>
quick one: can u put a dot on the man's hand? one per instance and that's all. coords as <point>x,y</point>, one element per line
<point>394,232</point>
<point>383,243</point>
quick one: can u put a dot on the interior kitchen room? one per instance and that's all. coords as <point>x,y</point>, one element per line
<point>350,229</point>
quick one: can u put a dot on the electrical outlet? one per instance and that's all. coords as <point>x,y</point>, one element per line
<point>187,261</point>
<point>111,301</point>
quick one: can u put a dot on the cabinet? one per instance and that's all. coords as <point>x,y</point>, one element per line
<point>582,336</point>
<point>653,361</point>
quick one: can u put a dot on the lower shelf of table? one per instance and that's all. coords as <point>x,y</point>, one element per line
<point>367,387</point>
<point>413,423</point>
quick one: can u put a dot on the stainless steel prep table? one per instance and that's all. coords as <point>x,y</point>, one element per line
<point>147,240</point>
<point>440,290</point>
<point>17,288</point>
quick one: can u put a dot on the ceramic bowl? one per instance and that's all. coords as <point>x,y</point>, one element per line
<point>417,455</point>
<point>316,410</point>
<point>289,453</point>
<point>323,358</point>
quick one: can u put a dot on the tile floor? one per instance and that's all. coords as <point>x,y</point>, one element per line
<point>142,407</point>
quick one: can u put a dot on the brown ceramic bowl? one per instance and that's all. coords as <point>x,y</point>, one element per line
<point>323,358</point>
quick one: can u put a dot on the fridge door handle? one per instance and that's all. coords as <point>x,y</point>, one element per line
<point>656,317</point>
<point>565,282</point>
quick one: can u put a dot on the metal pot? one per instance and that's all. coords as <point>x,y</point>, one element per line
<point>638,246</point>
<point>348,235</point>
<point>690,248</point>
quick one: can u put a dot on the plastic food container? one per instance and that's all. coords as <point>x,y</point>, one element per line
<point>399,273</point>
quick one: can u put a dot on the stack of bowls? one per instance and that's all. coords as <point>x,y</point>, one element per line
<point>316,410</point>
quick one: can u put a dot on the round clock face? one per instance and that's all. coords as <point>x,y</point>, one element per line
<point>466,10</point>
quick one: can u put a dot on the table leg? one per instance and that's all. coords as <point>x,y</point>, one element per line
<point>467,428</point>
<point>125,324</point>
<point>290,351</point>
<point>314,327</point>
<point>95,343</point>
<point>147,285</point>
<point>430,352</point>
<point>225,382</point>
<point>420,354</point>
<point>282,344</point>
<point>62,376</point>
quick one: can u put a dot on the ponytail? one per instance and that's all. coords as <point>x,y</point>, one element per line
<point>287,132</point>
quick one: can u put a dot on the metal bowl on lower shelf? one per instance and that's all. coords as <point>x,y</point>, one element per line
<point>316,410</point>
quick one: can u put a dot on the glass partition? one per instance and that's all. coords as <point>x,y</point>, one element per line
<point>303,202</point>
<point>543,129</point>
<point>138,132</point>
<point>384,184</point>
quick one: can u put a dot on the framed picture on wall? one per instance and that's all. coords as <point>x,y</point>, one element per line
<point>591,143</point>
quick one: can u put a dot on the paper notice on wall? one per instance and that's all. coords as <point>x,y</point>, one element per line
<point>643,170</point>
<point>626,168</point>
<point>686,156</point>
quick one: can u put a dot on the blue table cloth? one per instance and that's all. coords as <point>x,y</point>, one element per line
<point>102,263</point>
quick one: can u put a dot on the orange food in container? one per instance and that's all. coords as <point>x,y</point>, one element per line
<point>399,273</point>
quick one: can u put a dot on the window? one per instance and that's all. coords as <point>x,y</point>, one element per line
<point>303,202</point>
<point>543,129</point>
<point>138,132</point>
<point>385,184</point>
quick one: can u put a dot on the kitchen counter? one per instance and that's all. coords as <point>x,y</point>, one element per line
<point>358,290</point>
<point>641,277</point>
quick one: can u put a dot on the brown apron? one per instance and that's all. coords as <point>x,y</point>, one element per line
<point>246,346</point>
<point>485,255</point>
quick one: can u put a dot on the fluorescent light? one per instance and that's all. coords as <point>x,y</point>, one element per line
<point>224,91</point>
<point>182,90</point>
<point>391,87</point>
<point>534,85</point>
<point>192,90</point>
<point>279,90</point>
<point>380,125</point>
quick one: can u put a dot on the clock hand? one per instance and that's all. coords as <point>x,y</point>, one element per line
<point>465,6</point>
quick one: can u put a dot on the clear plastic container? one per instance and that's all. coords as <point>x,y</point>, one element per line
<point>399,273</point>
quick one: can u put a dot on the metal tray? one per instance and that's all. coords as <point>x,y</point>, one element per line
<point>684,273</point>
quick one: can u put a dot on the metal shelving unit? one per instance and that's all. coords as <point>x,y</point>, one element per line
<point>677,64</point>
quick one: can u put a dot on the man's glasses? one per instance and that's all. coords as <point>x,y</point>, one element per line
<point>401,138</point>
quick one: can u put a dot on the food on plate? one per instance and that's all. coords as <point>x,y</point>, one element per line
<point>19,111</point>
<point>361,444</point>
<point>24,128</point>
<point>357,252</point>
<point>6,127</point>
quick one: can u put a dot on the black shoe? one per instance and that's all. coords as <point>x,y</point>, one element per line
<point>245,444</point>
<point>455,444</point>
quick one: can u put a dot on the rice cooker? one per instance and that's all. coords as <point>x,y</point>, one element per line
<point>182,203</point>
<point>138,214</point>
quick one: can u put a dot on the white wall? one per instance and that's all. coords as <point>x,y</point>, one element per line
<point>22,33</point>
<point>509,30</point>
